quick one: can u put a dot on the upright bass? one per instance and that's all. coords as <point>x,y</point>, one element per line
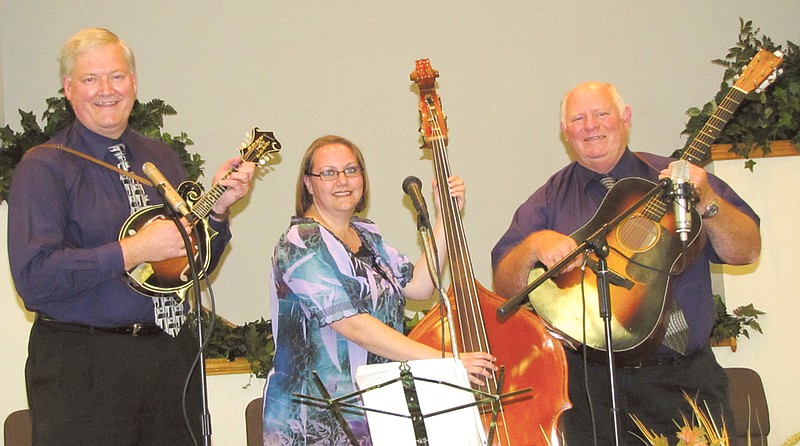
<point>531,357</point>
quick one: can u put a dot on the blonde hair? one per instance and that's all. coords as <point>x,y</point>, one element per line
<point>89,39</point>
<point>303,199</point>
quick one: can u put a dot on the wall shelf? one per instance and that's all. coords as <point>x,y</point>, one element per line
<point>730,342</point>
<point>222,366</point>
<point>720,152</point>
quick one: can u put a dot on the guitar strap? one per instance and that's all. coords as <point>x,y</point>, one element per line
<point>676,336</point>
<point>116,169</point>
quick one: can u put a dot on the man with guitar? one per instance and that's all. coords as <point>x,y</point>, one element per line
<point>100,369</point>
<point>595,123</point>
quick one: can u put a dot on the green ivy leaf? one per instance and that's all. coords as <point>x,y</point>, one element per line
<point>773,114</point>
<point>146,118</point>
<point>728,325</point>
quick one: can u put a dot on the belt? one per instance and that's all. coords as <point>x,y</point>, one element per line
<point>130,330</point>
<point>666,360</point>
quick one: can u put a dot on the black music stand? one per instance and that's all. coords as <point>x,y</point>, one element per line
<point>417,418</point>
<point>597,243</point>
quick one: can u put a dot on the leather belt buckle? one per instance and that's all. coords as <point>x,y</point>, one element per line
<point>144,329</point>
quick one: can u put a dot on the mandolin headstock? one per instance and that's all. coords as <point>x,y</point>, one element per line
<point>260,148</point>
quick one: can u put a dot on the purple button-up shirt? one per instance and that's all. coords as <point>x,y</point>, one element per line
<point>571,197</point>
<point>64,218</point>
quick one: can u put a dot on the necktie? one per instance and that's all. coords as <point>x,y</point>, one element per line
<point>169,314</point>
<point>677,334</point>
<point>136,196</point>
<point>608,181</point>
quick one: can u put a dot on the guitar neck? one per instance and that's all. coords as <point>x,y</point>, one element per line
<point>700,146</point>
<point>262,146</point>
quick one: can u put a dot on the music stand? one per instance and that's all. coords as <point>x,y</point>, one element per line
<point>444,394</point>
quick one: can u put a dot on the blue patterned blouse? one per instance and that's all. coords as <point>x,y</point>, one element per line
<point>317,280</point>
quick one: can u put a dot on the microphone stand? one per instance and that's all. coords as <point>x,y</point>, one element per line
<point>432,258</point>
<point>597,243</point>
<point>205,416</point>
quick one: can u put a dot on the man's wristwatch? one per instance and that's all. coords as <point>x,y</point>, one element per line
<point>711,210</point>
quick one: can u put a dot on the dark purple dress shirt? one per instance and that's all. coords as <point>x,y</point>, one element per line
<point>65,214</point>
<point>570,198</point>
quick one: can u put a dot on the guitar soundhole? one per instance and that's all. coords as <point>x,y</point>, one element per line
<point>638,233</point>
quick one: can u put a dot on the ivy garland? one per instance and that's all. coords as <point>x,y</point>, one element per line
<point>146,118</point>
<point>770,115</point>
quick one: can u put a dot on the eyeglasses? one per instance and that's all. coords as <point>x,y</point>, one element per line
<point>331,174</point>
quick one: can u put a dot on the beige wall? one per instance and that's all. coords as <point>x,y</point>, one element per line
<point>303,69</point>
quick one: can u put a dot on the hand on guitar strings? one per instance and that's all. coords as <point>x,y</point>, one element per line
<point>479,366</point>
<point>458,191</point>
<point>550,247</point>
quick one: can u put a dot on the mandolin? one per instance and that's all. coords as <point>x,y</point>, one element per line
<point>643,251</point>
<point>172,276</point>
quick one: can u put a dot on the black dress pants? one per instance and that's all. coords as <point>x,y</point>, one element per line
<point>652,392</point>
<point>97,388</point>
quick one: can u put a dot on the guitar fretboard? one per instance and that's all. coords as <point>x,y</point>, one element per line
<point>700,146</point>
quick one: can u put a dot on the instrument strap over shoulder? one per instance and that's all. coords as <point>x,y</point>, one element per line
<point>132,175</point>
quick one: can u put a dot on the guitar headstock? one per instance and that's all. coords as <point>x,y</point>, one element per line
<point>260,148</point>
<point>433,123</point>
<point>760,72</point>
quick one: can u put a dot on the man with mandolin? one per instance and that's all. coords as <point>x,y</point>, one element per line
<point>550,224</point>
<point>106,364</point>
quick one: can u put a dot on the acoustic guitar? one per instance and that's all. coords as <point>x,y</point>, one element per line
<point>171,277</point>
<point>643,252</point>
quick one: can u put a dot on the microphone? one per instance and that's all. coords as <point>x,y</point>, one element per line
<point>412,186</point>
<point>170,195</point>
<point>682,192</point>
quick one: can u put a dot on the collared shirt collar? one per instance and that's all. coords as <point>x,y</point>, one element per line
<point>97,145</point>
<point>627,166</point>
